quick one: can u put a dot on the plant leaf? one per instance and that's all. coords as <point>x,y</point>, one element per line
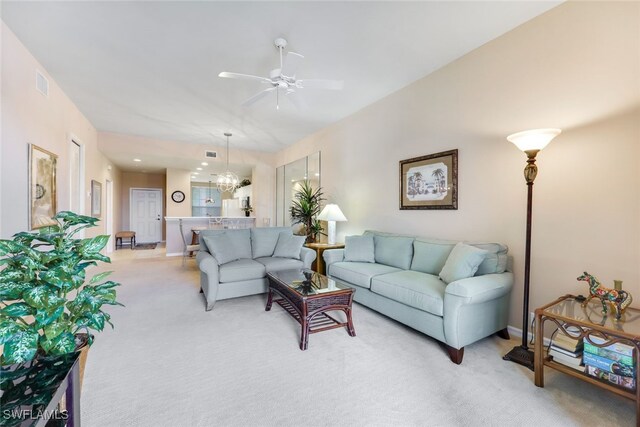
<point>18,309</point>
<point>21,347</point>
<point>98,277</point>
<point>13,290</point>
<point>45,318</point>
<point>56,328</point>
<point>63,344</point>
<point>8,328</point>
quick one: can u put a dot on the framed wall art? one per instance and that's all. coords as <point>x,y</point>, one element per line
<point>430,182</point>
<point>96,199</point>
<point>42,187</point>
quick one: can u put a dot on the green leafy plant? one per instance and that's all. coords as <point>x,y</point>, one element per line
<point>45,298</point>
<point>305,207</point>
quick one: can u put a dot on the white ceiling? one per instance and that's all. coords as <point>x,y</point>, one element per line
<point>150,68</point>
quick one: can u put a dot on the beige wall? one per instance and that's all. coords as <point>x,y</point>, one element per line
<point>178,180</point>
<point>49,122</point>
<point>577,68</point>
<point>140,180</point>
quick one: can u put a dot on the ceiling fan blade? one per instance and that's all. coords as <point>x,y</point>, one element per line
<point>320,84</point>
<point>228,75</point>
<point>258,96</point>
<point>291,64</point>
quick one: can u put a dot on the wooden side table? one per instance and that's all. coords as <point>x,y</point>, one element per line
<point>587,320</point>
<point>318,264</point>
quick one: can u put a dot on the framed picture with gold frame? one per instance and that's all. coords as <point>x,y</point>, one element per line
<point>430,182</point>
<point>42,187</point>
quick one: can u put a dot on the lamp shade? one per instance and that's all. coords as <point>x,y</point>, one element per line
<point>535,139</point>
<point>331,212</point>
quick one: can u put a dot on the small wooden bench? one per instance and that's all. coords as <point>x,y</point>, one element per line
<point>131,235</point>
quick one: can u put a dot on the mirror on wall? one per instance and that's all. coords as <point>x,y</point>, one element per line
<point>288,177</point>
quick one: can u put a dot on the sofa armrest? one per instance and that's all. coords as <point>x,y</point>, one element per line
<point>209,277</point>
<point>307,256</point>
<point>481,288</point>
<point>331,256</point>
<point>476,307</point>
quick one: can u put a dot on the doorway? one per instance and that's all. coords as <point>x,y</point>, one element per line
<point>146,214</point>
<point>109,214</point>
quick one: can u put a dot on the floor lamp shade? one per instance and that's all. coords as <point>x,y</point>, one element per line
<point>531,142</point>
<point>331,213</point>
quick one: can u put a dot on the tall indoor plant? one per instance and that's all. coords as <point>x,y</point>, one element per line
<point>48,306</point>
<point>305,207</point>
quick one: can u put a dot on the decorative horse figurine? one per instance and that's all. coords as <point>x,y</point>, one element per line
<point>618,298</point>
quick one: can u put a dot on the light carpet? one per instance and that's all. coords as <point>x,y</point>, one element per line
<point>170,363</point>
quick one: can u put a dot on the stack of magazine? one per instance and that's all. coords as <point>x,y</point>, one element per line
<point>567,350</point>
<point>614,363</point>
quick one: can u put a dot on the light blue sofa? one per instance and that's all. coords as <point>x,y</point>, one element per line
<point>403,284</point>
<point>248,274</point>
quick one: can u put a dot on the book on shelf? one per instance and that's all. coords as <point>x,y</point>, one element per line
<point>608,365</point>
<point>574,362</point>
<point>618,347</point>
<point>577,353</point>
<point>620,380</point>
<point>609,354</point>
<point>566,342</point>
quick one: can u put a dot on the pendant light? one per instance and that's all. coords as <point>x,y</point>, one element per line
<point>227,181</point>
<point>209,200</point>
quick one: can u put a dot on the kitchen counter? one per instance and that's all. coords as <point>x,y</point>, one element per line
<point>174,240</point>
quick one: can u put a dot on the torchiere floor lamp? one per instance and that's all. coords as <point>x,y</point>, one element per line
<point>531,142</point>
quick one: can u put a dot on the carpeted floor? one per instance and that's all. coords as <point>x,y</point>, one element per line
<point>170,363</point>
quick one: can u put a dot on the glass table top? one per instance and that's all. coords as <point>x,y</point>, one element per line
<point>307,282</point>
<point>591,313</point>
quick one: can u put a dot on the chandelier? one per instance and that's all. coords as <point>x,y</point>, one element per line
<point>227,181</point>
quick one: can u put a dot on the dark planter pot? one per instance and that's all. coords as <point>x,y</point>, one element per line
<point>247,213</point>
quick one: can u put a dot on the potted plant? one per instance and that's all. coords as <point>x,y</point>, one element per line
<point>47,304</point>
<point>305,207</point>
<point>247,210</point>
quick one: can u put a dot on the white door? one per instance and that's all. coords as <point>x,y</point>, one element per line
<point>146,215</point>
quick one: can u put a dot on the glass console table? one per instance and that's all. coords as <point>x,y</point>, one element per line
<point>580,321</point>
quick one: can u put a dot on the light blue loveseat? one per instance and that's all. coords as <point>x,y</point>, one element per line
<point>246,275</point>
<point>403,284</point>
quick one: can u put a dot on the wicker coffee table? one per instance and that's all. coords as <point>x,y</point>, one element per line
<point>307,296</point>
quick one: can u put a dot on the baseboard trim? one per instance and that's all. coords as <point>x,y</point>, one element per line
<point>175,254</point>
<point>518,332</point>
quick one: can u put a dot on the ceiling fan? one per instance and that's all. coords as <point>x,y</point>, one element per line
<point>284,78</point>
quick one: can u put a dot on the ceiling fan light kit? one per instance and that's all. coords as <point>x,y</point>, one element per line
<point>283,78</point>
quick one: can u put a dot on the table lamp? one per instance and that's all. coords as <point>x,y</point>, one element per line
<point>531,142</point>
<point>331,213</point>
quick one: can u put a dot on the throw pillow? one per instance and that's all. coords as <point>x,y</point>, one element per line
<point>359,249</point>
<point>289,246</point>
<point>221,247</point>
<point>463,262</point>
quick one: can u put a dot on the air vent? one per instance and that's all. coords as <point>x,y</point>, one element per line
<point>211,154</point>
<point>42,84</point>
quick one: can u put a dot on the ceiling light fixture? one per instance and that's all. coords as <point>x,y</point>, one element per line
<point>204,164</point>
<point>209,200</point>
<point>137,160</point>
<point>198,169</point>
<point>227,181</point>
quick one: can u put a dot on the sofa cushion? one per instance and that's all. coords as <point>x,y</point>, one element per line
<point>413,288</point>
<point>289,246</point>
<point>264,240</point>
<point>495,260</point>
<point>221,248</point>
<point>463,262</point>
<point>395,251</point>
<point>358,273</point>
<point>429,256</point>
<point>359,249</point>
<point>240,270</point>
<point>277,264</point>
